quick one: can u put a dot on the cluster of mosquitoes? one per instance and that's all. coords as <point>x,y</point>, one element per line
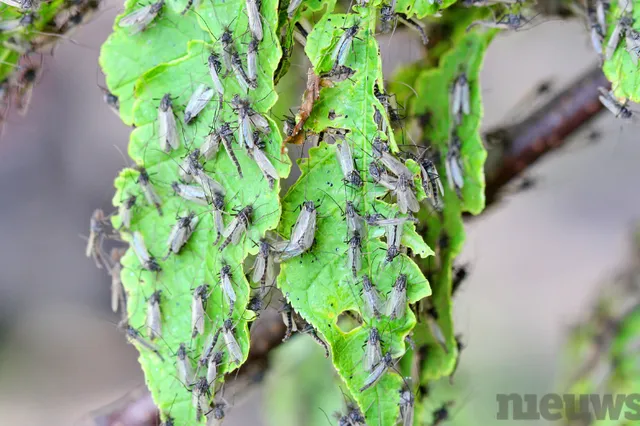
<point>21,36</point>
<point>386,169</point>
<point>596,16</point>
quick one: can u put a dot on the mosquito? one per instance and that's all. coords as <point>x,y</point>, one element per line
<point>227,48</point>
<point>263,267</point>
<point>253,13</point>
<point>257,120</point>
<point>373,305</point>
<point>213,363</point>
<point>632,40</point>
<point>218,208</point>
<point>407,401</point>
<point>349,171</point>
<point>191,193</point>
<point>380,176</point>
<point>355,222</point>
<point>188,165</point>
<point>285,250</point>
<point>405,197</point>
<point>226,134</point>
<point>238,226</point>
<point>231,343</point>
<point>338,74</point>
<point>147,261</point>
<point>601,17</point>
<point>394,229</point>
<point>619,109</point>
<point>216,415</point>
<point>198,304</point>
<point>181,232</point>
<point>397,303</point>
<point>140,19</point>
<point>293,6</point>
<point>117,291</point>
<point>252,61</point>
<point>344,45</point>
<point>355,254</point>
<point>200,395</point>
<point>385,100</point>
<point>212,341</point>
<point>22,4</point>
<point>379,120</point>
<point>510,21</point>
<point>210,186</point>
<point>215,67</point>
<point>393,226</point>
<point>373,350</point>
<point>267,169</point>
<point>304,230</point>
<point>96,238</point>
<point>185,371</point>
<point>168,131</point>
<point>460,104</point>
<point>381,152</point>
<point>133,335</point>
<point>453,164</point>
<point>596,31</point>
<point>154,319</point>
<point>240,73</point>
<point>241,107</point>
<point>378,371</point>
<point>24,21</point>
<point>112,101</point>
<point>125,211</point>
<point>148,191</point>
<point>353,417</point>
<point>211,145</point>
<point>431,183</point>
<point>198,100</point>
<point>227,287</point>
<point>387,17</point>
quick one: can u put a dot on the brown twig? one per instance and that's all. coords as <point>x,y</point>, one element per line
<point>513,149</point>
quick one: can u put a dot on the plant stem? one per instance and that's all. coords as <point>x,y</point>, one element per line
<point>515,147</point>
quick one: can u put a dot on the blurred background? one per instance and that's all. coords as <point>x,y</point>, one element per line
<point>537,257</point>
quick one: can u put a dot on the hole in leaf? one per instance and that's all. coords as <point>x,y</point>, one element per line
<point>348,320</point>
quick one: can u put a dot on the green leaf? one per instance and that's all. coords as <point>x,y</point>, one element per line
<point>307,10</point>
<point>171,57</point>
<point>621,70</point>
<point>446,231</point>
<point>420,9</point>
<point>319,285</point>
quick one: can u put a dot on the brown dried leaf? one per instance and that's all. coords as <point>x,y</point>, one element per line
<point>310,96</point>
